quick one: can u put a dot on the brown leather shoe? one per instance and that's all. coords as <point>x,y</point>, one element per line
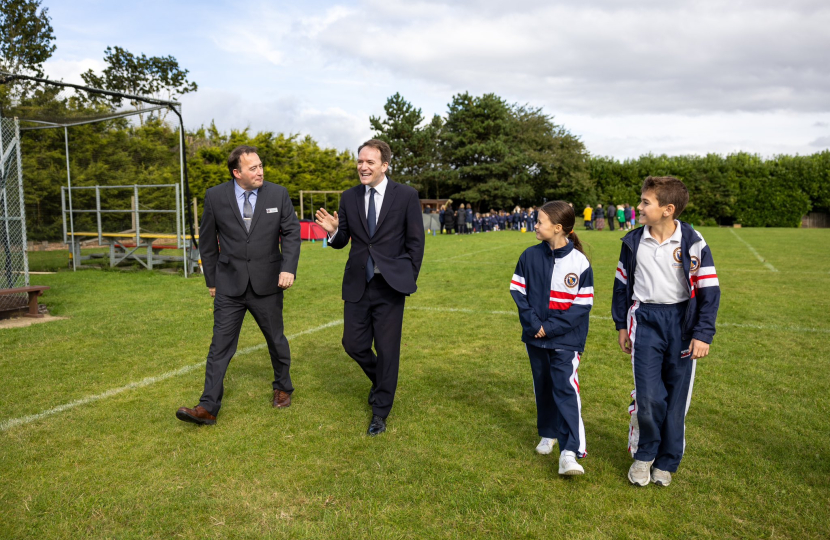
<point>281,399</point>
<point>198,415</point>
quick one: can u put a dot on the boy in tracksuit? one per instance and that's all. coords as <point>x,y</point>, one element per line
<point>665,302</point>
<point>553,287</point>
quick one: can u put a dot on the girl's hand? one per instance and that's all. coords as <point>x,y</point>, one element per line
<point>540,333</point>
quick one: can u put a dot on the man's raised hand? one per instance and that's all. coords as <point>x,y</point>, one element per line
<point>327,221</point>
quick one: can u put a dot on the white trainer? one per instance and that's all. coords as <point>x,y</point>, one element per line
<point>661,478</point>
<point>640,472</point>
<point>568,465</point>
<point>545,446</point>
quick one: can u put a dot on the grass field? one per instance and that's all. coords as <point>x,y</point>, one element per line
<point>458,460</point>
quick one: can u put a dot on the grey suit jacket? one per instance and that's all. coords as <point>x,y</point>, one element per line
<point>231,256</point>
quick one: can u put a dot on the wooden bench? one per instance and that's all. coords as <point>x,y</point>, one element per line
<point>34,292</point>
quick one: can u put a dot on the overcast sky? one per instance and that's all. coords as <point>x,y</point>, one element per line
<point>628,78</point>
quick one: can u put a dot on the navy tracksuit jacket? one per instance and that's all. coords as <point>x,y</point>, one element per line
<point>554,291</point>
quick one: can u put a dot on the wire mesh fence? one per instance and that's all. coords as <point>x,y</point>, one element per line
<point>14,267</point>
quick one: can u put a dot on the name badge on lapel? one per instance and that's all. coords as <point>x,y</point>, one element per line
<point>272,210</point>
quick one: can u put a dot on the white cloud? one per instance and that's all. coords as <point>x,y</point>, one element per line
<point>602,57</point>
<point>822,143</point>
<point>330,126</point>
<point>630,78</point>
<point>70,70</point>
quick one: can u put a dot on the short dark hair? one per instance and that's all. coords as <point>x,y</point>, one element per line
<point>238,152</point>
<point>668,190</point>
<point>380,146</point>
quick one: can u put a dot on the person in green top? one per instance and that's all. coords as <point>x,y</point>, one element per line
<point>621,216</point>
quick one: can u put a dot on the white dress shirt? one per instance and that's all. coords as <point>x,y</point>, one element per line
<point>659,277</point>
<point>380,191</point>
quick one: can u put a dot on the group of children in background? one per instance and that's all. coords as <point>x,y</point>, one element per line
<point>623,214</point>
<point>664,305</point>
<point>462,219</point>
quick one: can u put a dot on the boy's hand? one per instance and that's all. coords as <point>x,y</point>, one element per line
<point>625,343</point>
<point>540,333</point>
<point>699,349</point>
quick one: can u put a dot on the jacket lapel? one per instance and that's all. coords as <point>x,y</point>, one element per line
<point>388,199</point>
<point>260,207</point>
<point>234,206</point>
<point>361,206</point>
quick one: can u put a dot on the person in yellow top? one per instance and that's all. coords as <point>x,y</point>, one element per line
<point>586,215</point>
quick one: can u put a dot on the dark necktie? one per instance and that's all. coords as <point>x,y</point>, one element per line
<point>371,218</point>
<point>247,211</point>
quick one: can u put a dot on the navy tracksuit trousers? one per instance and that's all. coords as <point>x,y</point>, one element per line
<point>663,378</point>
<point>558,404</point>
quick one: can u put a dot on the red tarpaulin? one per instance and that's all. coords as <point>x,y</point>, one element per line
<point>310,230</point>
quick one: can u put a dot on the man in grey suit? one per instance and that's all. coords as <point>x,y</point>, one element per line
<point>245,222</point>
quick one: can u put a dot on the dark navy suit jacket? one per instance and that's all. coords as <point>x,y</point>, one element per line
<point>397,246</point>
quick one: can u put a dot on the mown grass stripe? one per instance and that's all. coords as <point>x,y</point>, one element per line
<point>8,424</point>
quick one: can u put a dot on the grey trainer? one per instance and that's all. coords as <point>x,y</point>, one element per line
<point>640,472</point>
<point>661,478</point>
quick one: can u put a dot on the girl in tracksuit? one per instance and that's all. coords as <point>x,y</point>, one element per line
<point>553,287</point>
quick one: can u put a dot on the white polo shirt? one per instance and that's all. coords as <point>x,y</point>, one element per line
<point>659,277</point>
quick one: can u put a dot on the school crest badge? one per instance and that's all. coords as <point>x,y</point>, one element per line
<point>676,255</point>
<point>571,280</point>
<point>695,264</point>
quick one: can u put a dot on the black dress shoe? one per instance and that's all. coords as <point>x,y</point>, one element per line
<point>372,395</point>
<point>376,426</point>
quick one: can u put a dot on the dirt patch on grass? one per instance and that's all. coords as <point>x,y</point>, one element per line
<point>22,322</point>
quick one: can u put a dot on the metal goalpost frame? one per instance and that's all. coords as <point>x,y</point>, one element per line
<point>174,106</point>
<point>14,262</point>
<point>311,193</point>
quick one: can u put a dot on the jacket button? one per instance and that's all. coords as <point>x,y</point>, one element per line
<point>370,245</point>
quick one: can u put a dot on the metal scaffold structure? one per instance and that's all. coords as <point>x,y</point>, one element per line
<point>184,219</point>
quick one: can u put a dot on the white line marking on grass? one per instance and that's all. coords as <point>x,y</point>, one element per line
<point>797,329</point>
<point>461,310</point>
<point>8,424</point>
<point>752,249</point>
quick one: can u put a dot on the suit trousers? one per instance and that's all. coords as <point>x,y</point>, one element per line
<point>228,314</point>
<point>376,318</point>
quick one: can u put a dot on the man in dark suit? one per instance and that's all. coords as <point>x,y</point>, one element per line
<point>245,218</point>
<point>383,220</point>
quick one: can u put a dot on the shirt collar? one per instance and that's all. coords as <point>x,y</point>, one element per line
<point>380,188</point>
<point>239,192</point>
<point>675,237</point>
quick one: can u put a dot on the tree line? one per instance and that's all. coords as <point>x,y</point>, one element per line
<point>495,155</point>
<point>483,151</point>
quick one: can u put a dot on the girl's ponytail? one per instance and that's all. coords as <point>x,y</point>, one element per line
<point>575,239</point>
